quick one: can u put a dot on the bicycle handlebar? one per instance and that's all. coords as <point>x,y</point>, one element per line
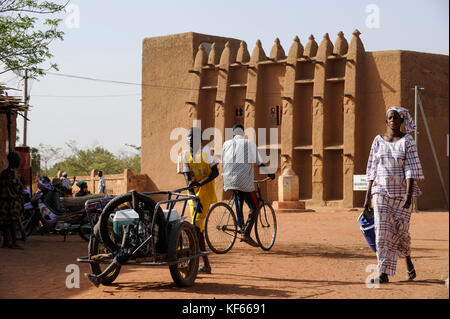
<point>183,189</point>
<point>262,180</point>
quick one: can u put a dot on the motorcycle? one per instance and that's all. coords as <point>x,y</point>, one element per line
<point>37,214</point>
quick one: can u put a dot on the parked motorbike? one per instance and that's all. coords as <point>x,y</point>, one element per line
<point>39,216</point>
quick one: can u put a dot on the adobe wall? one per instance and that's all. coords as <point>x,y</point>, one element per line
<point>116,184</point>
<point>166,88</point>
<point>429,71</point>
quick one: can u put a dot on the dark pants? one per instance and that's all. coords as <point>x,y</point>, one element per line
<point>252,202</point>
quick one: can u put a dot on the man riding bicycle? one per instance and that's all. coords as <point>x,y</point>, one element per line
<point>238,156</point>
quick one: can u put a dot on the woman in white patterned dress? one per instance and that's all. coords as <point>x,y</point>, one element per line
<point>392,169</point>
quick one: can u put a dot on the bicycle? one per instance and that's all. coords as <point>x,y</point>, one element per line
<point>222,223</point>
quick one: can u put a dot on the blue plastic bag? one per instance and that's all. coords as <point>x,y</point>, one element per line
<point>368,229</point>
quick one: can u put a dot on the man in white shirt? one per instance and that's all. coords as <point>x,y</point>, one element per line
<point>238,156</point>
<point>101,183</point>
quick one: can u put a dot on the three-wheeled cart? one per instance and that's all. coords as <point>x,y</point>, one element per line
<point>134,229</point>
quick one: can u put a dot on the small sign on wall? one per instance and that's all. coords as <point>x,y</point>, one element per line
<point>360,183</point>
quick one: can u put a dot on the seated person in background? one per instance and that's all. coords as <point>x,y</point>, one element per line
<point>83,188</point>
<point>67,184</point>
<point>57,184</point>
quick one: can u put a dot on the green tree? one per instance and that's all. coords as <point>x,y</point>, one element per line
<point>24,38</point>
<point>83,161</point>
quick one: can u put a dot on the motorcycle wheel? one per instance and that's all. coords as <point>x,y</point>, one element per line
<point>144,203</point>
<point>85,230</point>
<point>29,221</point>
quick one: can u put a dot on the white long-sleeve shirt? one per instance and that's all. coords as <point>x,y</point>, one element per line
<point>238,156</point>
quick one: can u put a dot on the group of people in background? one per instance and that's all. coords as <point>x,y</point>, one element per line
<point>64,185</point>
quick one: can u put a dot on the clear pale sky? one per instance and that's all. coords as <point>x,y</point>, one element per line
<point>108,45</point>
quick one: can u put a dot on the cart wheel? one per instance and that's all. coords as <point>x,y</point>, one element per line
<point>183,242</point>
<point>266,227</point>
<point>146,204</point>
<point>220,228</point>
<point>95,248</point>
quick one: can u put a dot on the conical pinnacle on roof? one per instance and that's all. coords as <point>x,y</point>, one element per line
<point>356,33</point>
<point>326,47</point>
<point>213,57</point>
<point>277,52</point>
<point>356,46</point>
<point>225,58</point>
<point>296,49</point>
<point>201,57</point>
<point>243,55</point>
<point>341,44</point>
<point>258,53</point>
<point>311,47</point>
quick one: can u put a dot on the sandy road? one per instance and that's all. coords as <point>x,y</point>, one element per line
<point>320,254</point>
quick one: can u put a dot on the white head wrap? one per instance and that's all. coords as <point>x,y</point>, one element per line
<point>410,125</point>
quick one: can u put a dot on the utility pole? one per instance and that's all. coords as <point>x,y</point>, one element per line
<point>416,113</point>
<point>25,100</point>
<point>416,132</point>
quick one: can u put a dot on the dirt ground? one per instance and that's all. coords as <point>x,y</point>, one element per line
<point>319,254</point>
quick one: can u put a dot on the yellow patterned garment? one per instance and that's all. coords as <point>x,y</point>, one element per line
<point>199,168</point>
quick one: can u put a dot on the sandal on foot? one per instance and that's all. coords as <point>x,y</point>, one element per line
<point>411,274</point>
<point>204,270</point>
<point>382,279</point>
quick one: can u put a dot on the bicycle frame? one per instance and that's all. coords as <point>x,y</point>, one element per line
<point>234,201</point>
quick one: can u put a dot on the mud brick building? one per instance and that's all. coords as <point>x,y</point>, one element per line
<point>327,100</point>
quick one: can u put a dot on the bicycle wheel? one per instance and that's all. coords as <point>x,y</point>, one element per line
<point>220,228</point>
<point>183,243</point>
<point>96,248</point>
<point>266,227</point>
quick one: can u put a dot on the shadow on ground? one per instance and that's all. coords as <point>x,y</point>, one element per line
<point>199,288</point>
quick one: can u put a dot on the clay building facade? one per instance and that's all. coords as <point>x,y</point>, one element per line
<point>326,100</point>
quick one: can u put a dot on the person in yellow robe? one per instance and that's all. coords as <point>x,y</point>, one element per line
<point>199,169</point>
